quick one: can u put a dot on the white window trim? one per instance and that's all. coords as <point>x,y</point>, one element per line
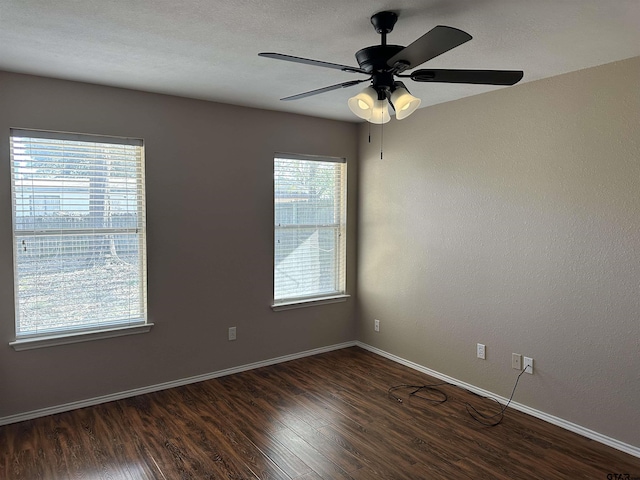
<point>77,337</point>
<point>30,342</point>
<point>313,301</point>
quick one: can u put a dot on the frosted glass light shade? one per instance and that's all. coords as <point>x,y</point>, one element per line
<point>404,103</point>
<point>363,103</point>
<point>380,112</point>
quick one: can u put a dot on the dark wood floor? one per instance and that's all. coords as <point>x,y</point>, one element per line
<point>327,416</point>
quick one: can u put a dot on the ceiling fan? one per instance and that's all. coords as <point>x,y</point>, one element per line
<point>384,63</point>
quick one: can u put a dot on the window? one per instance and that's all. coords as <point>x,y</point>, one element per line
<point>310,228</point>
<point>44,204</point>
<point>79,234</point>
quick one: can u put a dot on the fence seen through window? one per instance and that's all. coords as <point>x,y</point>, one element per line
<point>79,232</point>
<point>310,227</point>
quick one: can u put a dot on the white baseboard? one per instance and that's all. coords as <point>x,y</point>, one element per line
<point>43,412</point>
<point>572,427</point>
<point>585,432</point>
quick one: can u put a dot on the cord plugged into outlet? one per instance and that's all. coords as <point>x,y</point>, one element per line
<point>528,365</point>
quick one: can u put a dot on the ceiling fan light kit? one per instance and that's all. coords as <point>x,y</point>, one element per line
<point>382,63</point>
<point>380,113</point>
<point>363,103</point>
<point>404,103</point>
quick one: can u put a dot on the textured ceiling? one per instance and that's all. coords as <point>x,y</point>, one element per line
<point>207,49</point>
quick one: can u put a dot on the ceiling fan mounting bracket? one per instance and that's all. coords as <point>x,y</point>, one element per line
<point>384,22</point>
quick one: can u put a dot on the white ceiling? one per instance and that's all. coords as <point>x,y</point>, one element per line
<point>207,49</point>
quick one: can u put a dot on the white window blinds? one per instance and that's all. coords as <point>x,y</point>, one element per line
<point>310,227</point>
<point>79,232</point>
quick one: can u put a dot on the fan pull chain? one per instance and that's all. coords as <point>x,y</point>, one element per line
<point>381,137</point>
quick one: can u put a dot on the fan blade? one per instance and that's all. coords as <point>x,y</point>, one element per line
<point>325,89</point>
<point>483,77</point>
<point>308,61</point>
<point>433,43</point>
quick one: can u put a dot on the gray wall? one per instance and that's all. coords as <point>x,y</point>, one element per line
<point>210,237</point>
<point>512,219</point>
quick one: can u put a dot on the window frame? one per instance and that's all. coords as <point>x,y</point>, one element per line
<point>90,330</point>
<point>320,298</point>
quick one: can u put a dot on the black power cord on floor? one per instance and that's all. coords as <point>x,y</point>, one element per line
<point>421,388</point>
<point>486,419</point>
<point>441,397</point>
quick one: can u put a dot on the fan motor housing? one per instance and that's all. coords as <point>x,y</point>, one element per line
<point>374,59</point>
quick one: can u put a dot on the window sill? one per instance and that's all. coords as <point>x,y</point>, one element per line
<point>309,302</point>
<point>67,338</point>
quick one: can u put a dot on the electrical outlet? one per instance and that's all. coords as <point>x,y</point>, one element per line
<point>232,333</point>
<point>516,361</point>
<point>528,365</point>
<point>481,351</point>
<point>376,325</point>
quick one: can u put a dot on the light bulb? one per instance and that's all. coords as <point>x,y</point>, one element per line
<point>362,103</point>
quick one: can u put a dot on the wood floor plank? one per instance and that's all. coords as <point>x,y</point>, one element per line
<point>268,445</point>
<point>323,446</point>
<point>317,460</point>
<point>18,465</point>
<point>251,446</point>
<point>309,476</point>
<point>317,456</point>
<point>323,417</point>
<point>382,462</point>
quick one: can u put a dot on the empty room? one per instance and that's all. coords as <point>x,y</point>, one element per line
<point>303,240</point>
